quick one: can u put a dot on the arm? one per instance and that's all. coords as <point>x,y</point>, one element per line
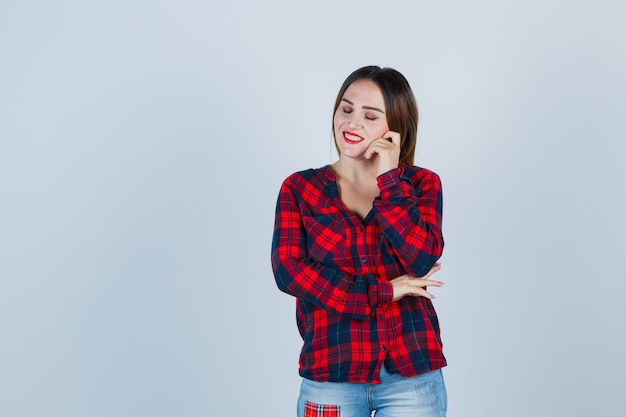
<point>298,274</point>
<point>409,212</point>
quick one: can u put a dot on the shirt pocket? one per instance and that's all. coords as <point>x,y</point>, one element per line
<point>326,238</point>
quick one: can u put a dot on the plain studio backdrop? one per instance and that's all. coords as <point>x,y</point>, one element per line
<point>143,144</point>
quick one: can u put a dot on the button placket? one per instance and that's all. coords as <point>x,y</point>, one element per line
<point>361,236</point>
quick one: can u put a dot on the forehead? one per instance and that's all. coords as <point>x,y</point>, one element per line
<point>365,91</point>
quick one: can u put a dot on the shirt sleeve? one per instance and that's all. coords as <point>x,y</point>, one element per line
<point>409,211</point>
<point>298,274</point>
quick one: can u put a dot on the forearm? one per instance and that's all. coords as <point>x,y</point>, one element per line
<point>410,219</point>
<point>353,296</point>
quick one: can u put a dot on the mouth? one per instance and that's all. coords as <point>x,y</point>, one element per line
<point>352,138</point>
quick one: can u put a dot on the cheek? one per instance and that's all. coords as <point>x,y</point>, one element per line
<point>337,122</point>
<point>378,131</point>
<point>384,125</point>
<point>382,128</point>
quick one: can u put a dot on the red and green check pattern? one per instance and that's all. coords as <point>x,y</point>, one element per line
<point>338,267</point>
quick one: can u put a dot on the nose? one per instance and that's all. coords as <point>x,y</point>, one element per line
<point>354,122</point>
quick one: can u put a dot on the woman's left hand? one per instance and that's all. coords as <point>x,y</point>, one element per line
<point>388,150</point>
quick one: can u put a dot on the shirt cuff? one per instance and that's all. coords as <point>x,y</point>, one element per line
<point>380,292</point>
<point>385,292</point>
<point>392,186</point>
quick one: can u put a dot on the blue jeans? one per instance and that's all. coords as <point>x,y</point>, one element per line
<point>423,395</point>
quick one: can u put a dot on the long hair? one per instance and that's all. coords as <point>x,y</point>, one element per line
<point>400,105</point>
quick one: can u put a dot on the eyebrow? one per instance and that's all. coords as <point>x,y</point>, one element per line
<point>365,107</point>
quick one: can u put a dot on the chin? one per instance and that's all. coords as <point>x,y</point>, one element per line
<point>352,154</point>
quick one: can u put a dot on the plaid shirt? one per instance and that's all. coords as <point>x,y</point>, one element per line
<point>338,267</point>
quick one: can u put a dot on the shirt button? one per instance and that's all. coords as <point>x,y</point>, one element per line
<point>381,316</point>
<point>384,348</point>
<point>361,228</point>
<point>364,260</point>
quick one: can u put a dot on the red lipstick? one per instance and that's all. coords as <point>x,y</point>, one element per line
<point>352,138</point>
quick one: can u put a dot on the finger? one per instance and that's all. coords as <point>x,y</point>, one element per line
<point>421,282</point>
<point>369,151</point>
<point>416,282</point>
<point>407,285</point>
<point>394,136</point>
<point>432,271</point>
<point>420,292</point>
<point>374,147</point>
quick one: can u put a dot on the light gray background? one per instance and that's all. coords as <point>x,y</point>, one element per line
<point>143,144</point>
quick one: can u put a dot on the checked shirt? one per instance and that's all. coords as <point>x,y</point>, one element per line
<point>338,267</point>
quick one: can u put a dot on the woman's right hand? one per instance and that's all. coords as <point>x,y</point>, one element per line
<point>408,285</point>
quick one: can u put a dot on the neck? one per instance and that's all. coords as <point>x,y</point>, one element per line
<point>356,171</point>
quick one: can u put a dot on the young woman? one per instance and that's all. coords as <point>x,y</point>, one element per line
<point>356,243</point>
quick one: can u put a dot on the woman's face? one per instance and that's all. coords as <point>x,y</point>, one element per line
<point>360,118</point>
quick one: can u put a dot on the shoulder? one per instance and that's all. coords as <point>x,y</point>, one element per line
<point>313,187</point>
<point>316,177</point>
